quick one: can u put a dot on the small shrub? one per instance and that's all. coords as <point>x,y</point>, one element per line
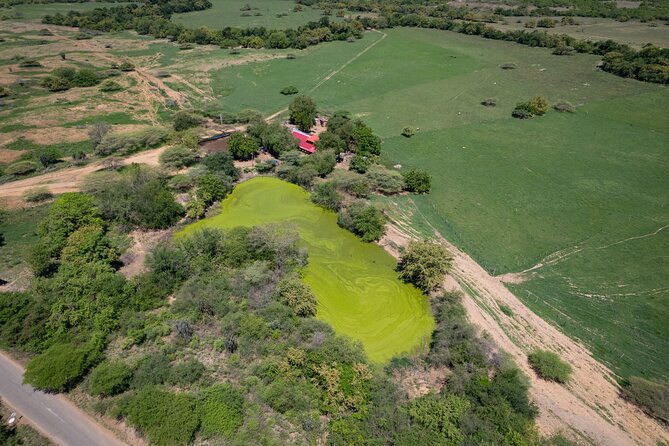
<point>537,105</point>
<point>110,378</point>
<point>38,194</point>
<point>490,102</point>
<point>364,220</point>
<point>326,195</point>
<point>221,410</point>
<point>506,309</point>
<point>165,418</point>
<point>21,168</point>
<point>85,78</point>
<point>564,107</point>
<point>185,120</point>
<point>296,294</point>
<point>520,113</point>
<point>178,157</point>
<point>181,182</point>
<point>408,132</point>
<point>289,90</point>
<point>384,180</point>
<point>110,85</point>
<point>126,66</point>
<point>508,66</point>
<point>417,181</point>
<point>54,84</point>
<point>549,366</point>
<point>186,373</point>
<point>57,369</point>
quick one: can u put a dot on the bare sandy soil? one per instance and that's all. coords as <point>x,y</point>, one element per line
<point>66,180</point>
<point>589,406</point>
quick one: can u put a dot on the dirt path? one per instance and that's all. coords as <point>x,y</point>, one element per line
<point>65,180</point>
<point>589,406</point>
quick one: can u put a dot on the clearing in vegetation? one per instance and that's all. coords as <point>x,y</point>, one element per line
<point>355,283</point>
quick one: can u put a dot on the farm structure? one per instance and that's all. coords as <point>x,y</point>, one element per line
<point>307,141</point>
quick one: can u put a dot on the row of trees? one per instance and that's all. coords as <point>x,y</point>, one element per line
<point>154,19</point>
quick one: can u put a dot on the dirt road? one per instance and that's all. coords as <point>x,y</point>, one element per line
<point>65,180</point>
<point>589,405</point>
<point>53,415</point>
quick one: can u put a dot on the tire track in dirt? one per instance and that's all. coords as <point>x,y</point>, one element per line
<point>589,405</point>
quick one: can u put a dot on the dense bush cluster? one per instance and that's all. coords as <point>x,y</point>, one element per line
<point>64,78</point>
<point>548,365</point>
<point>364,220</point>
<point>135,197</point>
<point>425,264</point>
<point>125,143</point>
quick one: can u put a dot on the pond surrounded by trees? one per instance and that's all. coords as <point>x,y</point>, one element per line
<point>355,282</point>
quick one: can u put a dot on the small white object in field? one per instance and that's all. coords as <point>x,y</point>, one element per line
<point>494,83</point>
<point>542,69</point>
<point>397,166</point>
<point>459,113</point>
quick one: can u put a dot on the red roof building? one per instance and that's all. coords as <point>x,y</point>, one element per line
<point>307,141</point>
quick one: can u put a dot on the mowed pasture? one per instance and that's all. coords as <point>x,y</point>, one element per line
<point>355,282</point>
<point>274,14</point>
<point>592,184</point>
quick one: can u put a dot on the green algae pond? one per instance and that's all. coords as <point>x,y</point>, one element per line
<point>355,282</point>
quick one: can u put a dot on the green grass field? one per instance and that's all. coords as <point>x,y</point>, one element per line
<point>18,229</point>
<point>512,192</point>
<point>263,13</point>
<point>355,282</point>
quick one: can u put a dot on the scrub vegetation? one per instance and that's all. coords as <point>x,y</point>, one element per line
<point>267,314</point>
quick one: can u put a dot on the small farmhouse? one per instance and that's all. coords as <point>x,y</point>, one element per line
<point>306,140</point>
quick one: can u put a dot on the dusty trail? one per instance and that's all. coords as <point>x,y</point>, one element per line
<point>589,405</point>
<point>66,180</point>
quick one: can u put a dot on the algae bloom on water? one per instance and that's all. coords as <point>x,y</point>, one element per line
<point>355,283</point>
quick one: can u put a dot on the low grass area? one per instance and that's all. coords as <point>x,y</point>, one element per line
<point>262,13</point>
<point>355,282</point>
<point>18,229</point>
<point>591,184</point>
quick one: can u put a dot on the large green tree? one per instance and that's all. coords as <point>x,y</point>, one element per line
<point>424,264</point>
<point>241,146</point>
<point>303,112</point>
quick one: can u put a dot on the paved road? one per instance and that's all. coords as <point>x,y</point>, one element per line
<point>53,415</point>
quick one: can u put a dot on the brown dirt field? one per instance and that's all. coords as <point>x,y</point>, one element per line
<point>66,180</point>
<point>7,156</point>
<point>589,405</point>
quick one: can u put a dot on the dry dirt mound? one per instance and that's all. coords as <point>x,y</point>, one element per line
<point>589,405</point>
<point>66,180</point>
